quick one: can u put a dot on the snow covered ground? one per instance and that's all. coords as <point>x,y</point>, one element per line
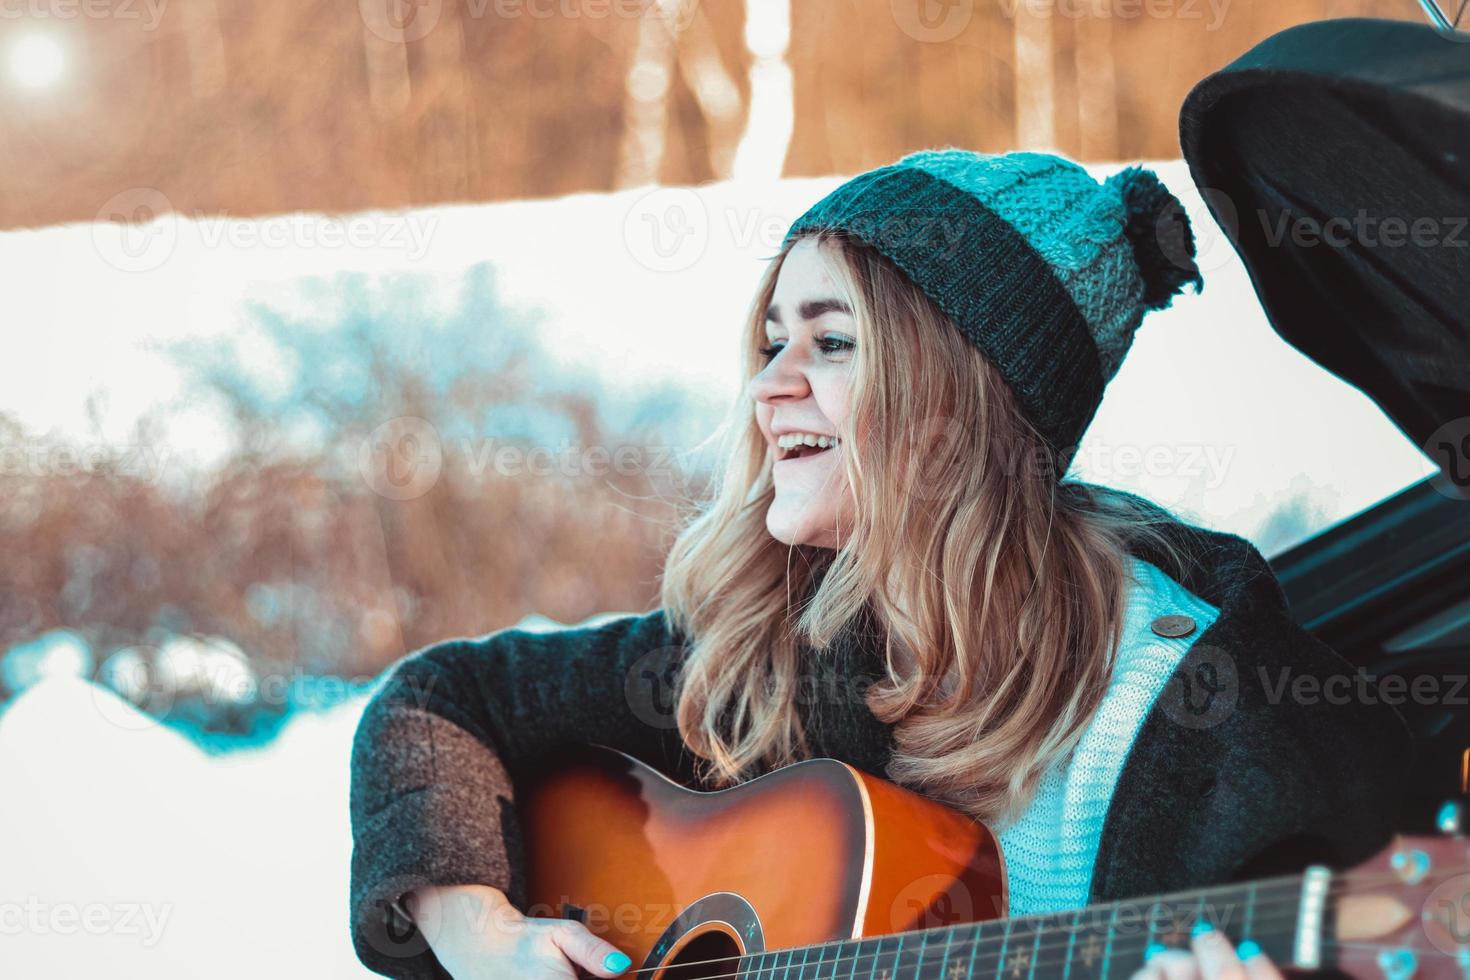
<point>126,851</point>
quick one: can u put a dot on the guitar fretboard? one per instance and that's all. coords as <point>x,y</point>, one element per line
<point>1099,942</point>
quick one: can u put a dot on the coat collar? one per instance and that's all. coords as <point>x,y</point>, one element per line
<point>1255,780</point>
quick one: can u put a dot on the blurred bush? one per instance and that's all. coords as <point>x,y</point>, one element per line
<point>555,494</point>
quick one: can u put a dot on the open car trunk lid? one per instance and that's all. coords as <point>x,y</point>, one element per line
<point>1336,157</point>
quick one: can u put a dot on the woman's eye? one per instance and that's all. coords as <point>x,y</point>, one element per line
<point>836,345</point>
<point>769,352</point>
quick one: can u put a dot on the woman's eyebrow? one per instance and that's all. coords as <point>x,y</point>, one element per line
<point>811,309</point>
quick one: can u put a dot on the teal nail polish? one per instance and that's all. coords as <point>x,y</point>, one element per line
<point>617,962</point>
<point>1201,926</point>
<point>1154,949</point>
<point>1248,949</point>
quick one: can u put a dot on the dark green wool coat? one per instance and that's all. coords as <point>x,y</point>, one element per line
<point>1259,784</point>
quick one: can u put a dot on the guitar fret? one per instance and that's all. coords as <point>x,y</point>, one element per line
<point>974,949</point>
<point>1005,941</point>
<point>1108,948</point>
<point>1071,944</point>
<point>807,964</point>
<point>949,944</point>
<point>900,971</point>
<point>918,956</point>
<point>812,964</point>
<point>857,968</point>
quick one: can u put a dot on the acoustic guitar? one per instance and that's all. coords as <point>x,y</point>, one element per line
<point>818,871</point>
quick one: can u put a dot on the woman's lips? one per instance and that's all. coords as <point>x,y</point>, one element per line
<point>801,453</point>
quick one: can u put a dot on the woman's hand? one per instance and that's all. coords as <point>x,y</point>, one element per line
<point>477,934</point>
<point>1211,956</point>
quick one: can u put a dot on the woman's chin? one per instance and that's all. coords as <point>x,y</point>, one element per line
<point>800,526</point>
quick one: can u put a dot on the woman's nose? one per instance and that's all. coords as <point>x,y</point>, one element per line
<point>782,378</point>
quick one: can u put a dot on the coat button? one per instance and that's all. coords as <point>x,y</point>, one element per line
<point>1173,626</point>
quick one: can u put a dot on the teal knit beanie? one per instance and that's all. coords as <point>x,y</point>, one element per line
<point>1045,270</point>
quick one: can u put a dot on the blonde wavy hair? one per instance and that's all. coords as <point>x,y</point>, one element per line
<point>995,591</point>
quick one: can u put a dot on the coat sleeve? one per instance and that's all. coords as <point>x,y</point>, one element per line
<point>449,732</point>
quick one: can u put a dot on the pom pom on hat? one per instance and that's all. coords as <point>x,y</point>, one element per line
<point>1158,230</point>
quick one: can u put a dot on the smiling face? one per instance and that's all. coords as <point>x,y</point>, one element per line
<point>802,398</point>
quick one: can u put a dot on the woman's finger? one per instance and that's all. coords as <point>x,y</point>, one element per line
<point>587,951</point>
<point>1168,964</point>
<point>1217,957</point>
<point>1258,966</point>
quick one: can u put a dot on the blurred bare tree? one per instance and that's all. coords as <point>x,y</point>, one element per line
<point>319,105</point>
<point>552,496</point>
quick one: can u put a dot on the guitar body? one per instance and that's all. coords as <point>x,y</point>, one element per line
<point>813,852</point>
<point>818,871</point>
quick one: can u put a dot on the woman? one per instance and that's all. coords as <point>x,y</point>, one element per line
<point>893,573</point>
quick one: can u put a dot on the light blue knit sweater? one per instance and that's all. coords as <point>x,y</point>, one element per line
<point>1050,848</point>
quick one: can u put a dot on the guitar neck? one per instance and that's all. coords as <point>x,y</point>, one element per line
<point>1284,915</point>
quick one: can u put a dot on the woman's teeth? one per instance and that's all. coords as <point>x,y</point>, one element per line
<point>793,439</point>
<point>795,445</point>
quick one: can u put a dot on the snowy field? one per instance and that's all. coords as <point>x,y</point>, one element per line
<point>128,852</point>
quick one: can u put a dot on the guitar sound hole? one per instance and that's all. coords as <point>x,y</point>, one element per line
<point>713,954</point>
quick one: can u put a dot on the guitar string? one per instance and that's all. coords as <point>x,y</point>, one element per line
<point>1261,911</point>
<point>1122,950</point>
<point>897,970</point>
<point>1117,947</point>
<point>1291,884</point>
<point>1262,888</point>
